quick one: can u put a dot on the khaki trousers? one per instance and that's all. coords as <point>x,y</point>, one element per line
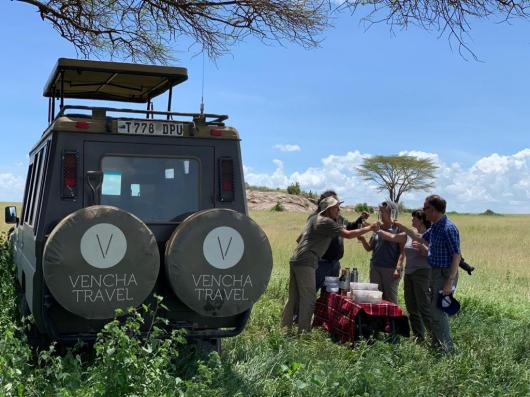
<point>301,299</point>
<point>384,276</point>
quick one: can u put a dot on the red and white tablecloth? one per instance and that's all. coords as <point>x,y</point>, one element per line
<point>341,316</point>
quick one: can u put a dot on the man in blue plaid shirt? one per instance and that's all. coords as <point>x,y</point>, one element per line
<point>443,254</point>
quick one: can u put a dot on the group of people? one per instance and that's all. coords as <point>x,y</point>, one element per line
<point>427,253</point>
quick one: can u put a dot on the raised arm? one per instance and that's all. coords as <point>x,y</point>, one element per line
<point>422,248</point>
<point>357,232</point>
<point>366,245</point>
<point>400,238</point>
<point>409,232</point>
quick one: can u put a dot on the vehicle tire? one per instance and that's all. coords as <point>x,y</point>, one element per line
<point>100,259</point>
<point>218,262</point>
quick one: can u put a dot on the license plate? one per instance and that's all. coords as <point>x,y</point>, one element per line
<point>150,128</point>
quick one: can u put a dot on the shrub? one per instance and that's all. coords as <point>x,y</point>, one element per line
<point>489,212</point>
<point>360,207</point>
<point>294,188</point>
<point>130,362</point>
<point>311,196</point>
<point>278,207</point>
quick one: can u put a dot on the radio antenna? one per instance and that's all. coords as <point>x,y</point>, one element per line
<point>202,90</point>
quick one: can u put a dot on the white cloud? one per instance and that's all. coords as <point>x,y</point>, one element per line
<point>287,148</point>
<point>11,187</point>
<point>498,182</point>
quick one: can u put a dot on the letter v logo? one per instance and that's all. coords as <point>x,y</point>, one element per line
<point>103,245</point>
<point>104,253</point>
<point>224,252</point>
<point>223,247</point>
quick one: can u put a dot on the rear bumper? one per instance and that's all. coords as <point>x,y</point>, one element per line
<point>191,332</point>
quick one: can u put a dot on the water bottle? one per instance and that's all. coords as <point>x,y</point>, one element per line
<point>354,275</point>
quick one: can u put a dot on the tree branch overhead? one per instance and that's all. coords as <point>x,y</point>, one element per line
<point>143,30</point>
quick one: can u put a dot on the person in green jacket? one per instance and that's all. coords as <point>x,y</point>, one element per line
<point>318,231</point>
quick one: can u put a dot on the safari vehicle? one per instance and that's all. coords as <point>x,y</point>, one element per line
<point>124,204</point>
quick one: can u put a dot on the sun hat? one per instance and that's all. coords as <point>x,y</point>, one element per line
<point>448,304</point>
<point>327,203</point>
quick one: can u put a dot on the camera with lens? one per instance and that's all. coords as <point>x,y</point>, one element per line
<point>466,266</point>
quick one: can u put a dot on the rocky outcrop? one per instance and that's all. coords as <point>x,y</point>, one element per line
<point>258,200</point>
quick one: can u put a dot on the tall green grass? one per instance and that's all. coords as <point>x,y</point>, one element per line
<point>492,335</point>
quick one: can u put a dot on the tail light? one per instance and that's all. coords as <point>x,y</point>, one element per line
<point>226,179</point>
<point>82,125</point>
<point>69,188</point>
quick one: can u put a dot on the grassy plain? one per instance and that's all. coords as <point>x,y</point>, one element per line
<point>492,335</point>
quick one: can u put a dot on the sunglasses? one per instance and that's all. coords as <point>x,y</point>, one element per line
<point>427,208</point>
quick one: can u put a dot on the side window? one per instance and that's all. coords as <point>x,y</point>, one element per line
<point>39,182</point>
<point>29,202</point>
<point>27,195</point>
<point>33,187</point>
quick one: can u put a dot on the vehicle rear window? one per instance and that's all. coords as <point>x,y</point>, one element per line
<point>154,189</point>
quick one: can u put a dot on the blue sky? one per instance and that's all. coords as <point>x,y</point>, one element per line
<point>360,93</point>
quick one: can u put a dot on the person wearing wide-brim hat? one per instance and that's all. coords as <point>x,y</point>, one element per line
<point>312,244</point>
<point>329,263</point>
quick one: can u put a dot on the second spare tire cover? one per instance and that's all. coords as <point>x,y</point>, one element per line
<point>218,262</point>
<point>99,259</point>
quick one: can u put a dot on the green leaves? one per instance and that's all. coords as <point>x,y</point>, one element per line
<point>398,174</point>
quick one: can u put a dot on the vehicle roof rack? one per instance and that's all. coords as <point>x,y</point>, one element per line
<point>206,118</point>
<point>111,81</point>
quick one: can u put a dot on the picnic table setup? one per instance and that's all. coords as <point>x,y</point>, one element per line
<point>359,313</point>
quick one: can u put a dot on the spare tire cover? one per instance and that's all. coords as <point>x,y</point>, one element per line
<point>218,262</point>
<point>99,259</point>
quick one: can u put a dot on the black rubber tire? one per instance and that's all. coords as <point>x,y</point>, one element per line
<point>100,259</point>
<point>218,262</point>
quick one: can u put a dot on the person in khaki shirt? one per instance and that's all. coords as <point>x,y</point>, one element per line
<point>318,232</point>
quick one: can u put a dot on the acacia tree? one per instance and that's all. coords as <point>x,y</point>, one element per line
<point>144,29</point>
<point>398,174</point>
